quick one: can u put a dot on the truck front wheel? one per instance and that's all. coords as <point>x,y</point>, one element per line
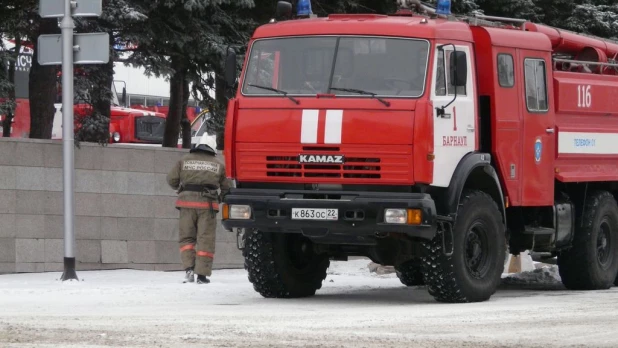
<point>472,272</point>
<point>592,262</point>
<point>282,265</point>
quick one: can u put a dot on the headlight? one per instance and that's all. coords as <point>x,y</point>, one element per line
<point>116,137</point>
<point>403,216</point>
<point>395,216</point>
<point>240,212</point>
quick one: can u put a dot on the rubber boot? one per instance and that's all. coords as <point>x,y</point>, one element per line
<point>202,279</point>
<point>189,276</point>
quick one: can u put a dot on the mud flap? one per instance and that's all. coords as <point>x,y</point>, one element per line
<point>240,238</point>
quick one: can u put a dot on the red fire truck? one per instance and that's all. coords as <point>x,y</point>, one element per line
<point>426,141</point>
<point>127,125</point>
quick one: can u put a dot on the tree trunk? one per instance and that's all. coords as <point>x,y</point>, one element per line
<point>101,96</point>
<point>221,102</point>
<point>42,87</point>
<point>185,123</point>
<point>172,124</point>
<point>103,105</point>
<point>8,120</point>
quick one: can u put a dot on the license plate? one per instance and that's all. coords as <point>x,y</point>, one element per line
<point>315,214</point>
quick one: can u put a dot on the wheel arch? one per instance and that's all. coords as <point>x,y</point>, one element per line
<point>475,172</point>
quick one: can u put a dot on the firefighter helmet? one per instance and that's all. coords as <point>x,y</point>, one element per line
<point>207,143</point>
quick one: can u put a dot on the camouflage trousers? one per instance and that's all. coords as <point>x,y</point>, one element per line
<point>197,239</point>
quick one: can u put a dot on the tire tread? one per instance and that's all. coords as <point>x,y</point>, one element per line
<point>574,264</point>
<point>438,269</point>
<point>410,273</point>
<point>263,272</point>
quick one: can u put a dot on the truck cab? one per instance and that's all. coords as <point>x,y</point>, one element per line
<point>134,126</point>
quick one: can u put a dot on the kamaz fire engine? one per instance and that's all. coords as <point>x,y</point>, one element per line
<point>431,142</point>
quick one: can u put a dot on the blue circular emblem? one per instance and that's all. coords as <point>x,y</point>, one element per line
<point>538,150</point>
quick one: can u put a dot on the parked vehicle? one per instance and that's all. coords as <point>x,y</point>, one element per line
<point>127,125</point>
<point>425,141</point>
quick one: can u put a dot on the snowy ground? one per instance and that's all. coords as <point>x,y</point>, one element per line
<point>354,309</point>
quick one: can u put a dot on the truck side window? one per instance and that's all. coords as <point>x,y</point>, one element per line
<point>440,75</point>
<point>506,70</point>
<point>461,90</point>
<point>536,86</point>
<point>262,71</point>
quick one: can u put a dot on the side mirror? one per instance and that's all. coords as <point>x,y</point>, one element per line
<point>230,68</point>
<point>124,97</point>
<point>284,9</point>
<point>459,69</point>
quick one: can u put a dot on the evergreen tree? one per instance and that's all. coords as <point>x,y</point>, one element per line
<point>597,18</point>
<point>10,27</point>
<point>184,39</point>
<point>19,19</point>
<point>93,82</point>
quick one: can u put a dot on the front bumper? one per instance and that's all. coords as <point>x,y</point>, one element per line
<point>359,213</point>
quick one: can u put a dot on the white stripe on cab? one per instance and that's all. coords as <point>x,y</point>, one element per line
<point>309,127</point>
<point>334,123</point>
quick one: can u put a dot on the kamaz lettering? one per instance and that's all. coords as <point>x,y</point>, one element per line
<point>320,159</point>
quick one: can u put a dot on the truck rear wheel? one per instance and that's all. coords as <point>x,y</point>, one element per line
<point>592,262</point>
<point>473,271</point>
<point>282,265</point>
<point>410,273</point>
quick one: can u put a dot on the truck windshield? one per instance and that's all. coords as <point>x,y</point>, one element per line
<point>82,96</point>
<point>313,65</point>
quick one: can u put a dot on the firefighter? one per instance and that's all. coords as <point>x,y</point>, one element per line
<point>198,177</point>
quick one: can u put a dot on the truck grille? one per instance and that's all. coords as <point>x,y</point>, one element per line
<point>288,166</point>
<point>150,129</point>
<point>362,164</point>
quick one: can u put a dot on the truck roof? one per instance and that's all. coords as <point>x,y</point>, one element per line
<point>401,26</point>
<point>368,24</point>
<point>517,38</point>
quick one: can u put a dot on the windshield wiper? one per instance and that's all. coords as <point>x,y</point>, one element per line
<point>285,94</point>
<point>360,91</point>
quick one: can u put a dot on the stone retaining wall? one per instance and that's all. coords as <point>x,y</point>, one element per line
<point>125,215</point>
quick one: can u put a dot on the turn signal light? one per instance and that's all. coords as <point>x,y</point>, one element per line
<point>415,216</point>
<point>225,211</point>
<point>403,216</point>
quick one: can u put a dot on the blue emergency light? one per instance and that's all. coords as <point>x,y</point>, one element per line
<point>444,7</point>
<point>303,8</point>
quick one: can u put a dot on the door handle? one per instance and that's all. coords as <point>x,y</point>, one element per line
<point>550,130</point>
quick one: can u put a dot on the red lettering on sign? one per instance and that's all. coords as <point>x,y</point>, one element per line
<point>454,141</point>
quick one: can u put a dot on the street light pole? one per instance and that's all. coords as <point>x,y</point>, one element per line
<point>67,25</point>
<point>50,52</point>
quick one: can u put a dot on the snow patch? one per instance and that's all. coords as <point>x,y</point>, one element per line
<point>544,275</point>
<point>130,308</point>
<point>358,267</point>
<point>349,268</point>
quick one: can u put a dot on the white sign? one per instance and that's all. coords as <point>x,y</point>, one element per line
<point>83,8</point>
<point>91,48</point>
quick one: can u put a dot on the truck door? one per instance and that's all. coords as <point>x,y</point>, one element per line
<point>455,132</point>
<point>538,138</point>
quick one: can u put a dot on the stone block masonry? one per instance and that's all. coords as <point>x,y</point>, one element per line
<point>125,215</point>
